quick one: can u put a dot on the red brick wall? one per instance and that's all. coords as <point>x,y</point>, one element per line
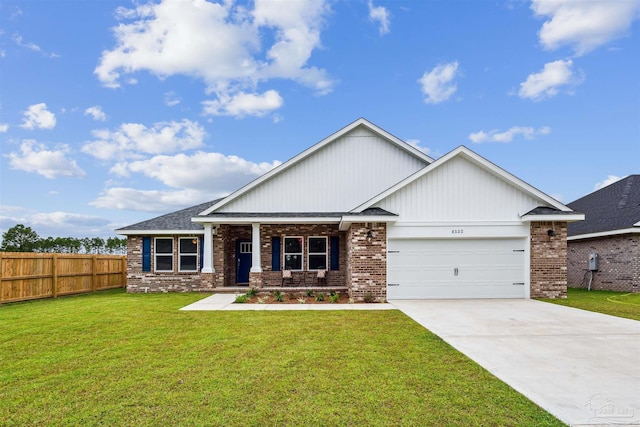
<point>150,281</point>
<point>548,260</point>
<point>367,270</point>
<point>619,268</point>
<point>335,278</point>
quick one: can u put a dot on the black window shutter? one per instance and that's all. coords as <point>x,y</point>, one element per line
<point>275,253</point>
<point>335,252</point>
<point>146,254</point>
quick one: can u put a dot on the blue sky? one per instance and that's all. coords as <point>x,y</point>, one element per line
<point>113,112</point>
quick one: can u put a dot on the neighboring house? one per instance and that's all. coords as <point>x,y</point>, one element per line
<point>383,219</point>
<point>611,230</point>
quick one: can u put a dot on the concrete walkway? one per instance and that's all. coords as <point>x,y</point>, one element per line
<point>224,302</point>
<point>580,366</point>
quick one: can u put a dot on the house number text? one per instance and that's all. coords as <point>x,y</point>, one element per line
<point>457,231</point>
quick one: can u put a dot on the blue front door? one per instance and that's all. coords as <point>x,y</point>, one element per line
<point>243,260</point>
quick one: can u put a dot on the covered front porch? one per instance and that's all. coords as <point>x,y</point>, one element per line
<point>294,253</point>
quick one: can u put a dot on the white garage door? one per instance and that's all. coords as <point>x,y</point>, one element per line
<point>438,268</point>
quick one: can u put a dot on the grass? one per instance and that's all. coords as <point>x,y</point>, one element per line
<point>120,359</point>
<point>619,304</point>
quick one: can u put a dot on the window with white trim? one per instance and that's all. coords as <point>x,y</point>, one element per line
<point>163,254</point>
<point>293,253</point>
<point>317,253</point>
<point>188,254</point>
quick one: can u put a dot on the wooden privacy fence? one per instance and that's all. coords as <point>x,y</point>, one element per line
<point>25,276</point>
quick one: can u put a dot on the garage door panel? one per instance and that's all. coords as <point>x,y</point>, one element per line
<point>431,268</point>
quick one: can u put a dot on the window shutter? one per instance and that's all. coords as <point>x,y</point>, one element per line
<point>275,253</point>
<point>146,254</point>
<point>201,240</point>
<point>335,252</point>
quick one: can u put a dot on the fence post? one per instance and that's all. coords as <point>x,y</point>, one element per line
<point>1,276</point>
<point>124,271</point>
<point>94,272</point>
<point>54,274</point>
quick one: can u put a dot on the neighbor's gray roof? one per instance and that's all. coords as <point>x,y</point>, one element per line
<point>614,207</point>
<point>178,220</point>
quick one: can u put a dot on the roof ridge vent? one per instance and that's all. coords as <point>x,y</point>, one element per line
<point>625,193</point>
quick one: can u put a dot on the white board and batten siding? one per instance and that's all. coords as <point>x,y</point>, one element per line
<point>459,190</point>
<point>458,235</point>
<point>348,171</point>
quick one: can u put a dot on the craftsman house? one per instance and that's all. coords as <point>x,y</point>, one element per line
<point>365,212</point>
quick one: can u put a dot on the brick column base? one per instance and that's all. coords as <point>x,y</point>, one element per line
<point>207,282</point>
<point>255,280</point>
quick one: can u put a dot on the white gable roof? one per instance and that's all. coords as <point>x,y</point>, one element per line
<point>462,162</point>
<point>322,179</point>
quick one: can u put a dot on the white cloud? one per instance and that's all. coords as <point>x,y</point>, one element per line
<point>220,43</point>
<point>4,127</point>
<point>37,116</point>
<point>381,16</point>
<point>56,224</point>
<point>437,84</point>
<point>96,112</point>
<point>193,179</point>
<point>148,200</point>
<point>416,144</point>
<point>201,171</point>
<point>508,135</point>
<point>131,140</point>
<point>17,38</point>
<point>608,181</point>
<point>171,99</point>
<point>546,83</point>
<point>584,25</point>
<point>35,157</point>
<point>244,104</point>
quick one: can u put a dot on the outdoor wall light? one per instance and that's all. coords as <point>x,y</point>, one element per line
<point>551,233</point>
<point>369,236</point>
<point>195,241</point>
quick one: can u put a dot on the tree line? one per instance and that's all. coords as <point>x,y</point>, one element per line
<point>23,239</point>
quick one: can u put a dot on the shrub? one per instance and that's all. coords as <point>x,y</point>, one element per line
<point>310,293</point>
<point>334,297</point>
<point>242,298</point>
<point>320,296</point>
<point>302,300</point>
<point>262,300</point>
<point>278,296</point>
<point>252,292</point>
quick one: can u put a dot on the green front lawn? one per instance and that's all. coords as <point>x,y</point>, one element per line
<point>133,359</point>
<point>619,304</point>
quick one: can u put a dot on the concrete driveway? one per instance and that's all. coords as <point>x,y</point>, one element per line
<point>580,366</point>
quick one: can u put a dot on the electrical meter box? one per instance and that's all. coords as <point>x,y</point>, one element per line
<point>594,262</point>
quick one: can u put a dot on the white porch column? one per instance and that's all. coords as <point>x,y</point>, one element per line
<point>256,265</point>
<point>207,254</point>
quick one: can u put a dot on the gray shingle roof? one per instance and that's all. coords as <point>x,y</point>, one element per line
<point>337,215</point>
<point>614,207</point>
<point>545,210</point>
<point>178,220</point>
<point>181,220</point>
